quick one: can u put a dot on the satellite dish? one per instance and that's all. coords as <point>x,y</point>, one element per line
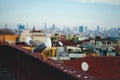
<point>85,66</point>
<point>60,43</point>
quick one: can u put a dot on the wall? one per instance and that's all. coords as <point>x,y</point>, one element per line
<point>8,38</point>
<point>26,67</point>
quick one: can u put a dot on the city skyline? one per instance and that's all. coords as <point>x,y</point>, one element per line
<point>91,13</point>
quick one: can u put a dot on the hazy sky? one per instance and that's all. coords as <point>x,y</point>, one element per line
<point>105,13</point>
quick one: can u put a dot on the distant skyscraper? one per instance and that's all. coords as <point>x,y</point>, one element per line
<point>115,30</point>
<point>75,28</point>
<point>119,31</point>
<point>33,28</point>
<point>45,27</point>
<point>20,27</point>
<point>64,28</point>
<point>53,26</point>
<point>81,29</point>
<point>27,26</point>
<point>98,29</point>
<point>86,29</point>
<point>68,29</point>
<point>6,25</point>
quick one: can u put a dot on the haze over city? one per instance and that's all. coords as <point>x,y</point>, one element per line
<point>91,13</point>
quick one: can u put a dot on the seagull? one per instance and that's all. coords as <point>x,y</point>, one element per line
<point>28,41</point>
<point>45,45</point>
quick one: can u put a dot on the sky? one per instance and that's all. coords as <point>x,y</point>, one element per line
<point>91,13</point>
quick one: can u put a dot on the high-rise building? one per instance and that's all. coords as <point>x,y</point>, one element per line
<point>6,25</point>
<point>53,26</point>
<point>64,28</point>
<point>45,27</point>
<point>20,27</point>
<point>98,29</point>
<point>115,30</point>
<point>81,29</point>
<point>86,29</point>
<point>119,31</point>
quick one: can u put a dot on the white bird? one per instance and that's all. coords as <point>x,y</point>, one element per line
<point>46,44</point>
<point>28,41</point>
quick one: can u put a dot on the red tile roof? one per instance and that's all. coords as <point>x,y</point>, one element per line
<point>106,68</point>
<point>72,43</point>
<point>67,42</point>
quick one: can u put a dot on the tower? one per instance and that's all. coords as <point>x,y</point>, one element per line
<point>98,29</point>
<point>86,29</point>
<point>45,27</point>
<point>81,29</point>
<point>20,27</point>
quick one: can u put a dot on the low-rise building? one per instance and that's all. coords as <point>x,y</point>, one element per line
<point>36,36</point>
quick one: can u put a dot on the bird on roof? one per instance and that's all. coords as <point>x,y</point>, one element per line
<point>28,41</point>
<point>45,45</point>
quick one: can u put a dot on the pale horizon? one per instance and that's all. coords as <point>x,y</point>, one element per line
<point>91,13</point>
